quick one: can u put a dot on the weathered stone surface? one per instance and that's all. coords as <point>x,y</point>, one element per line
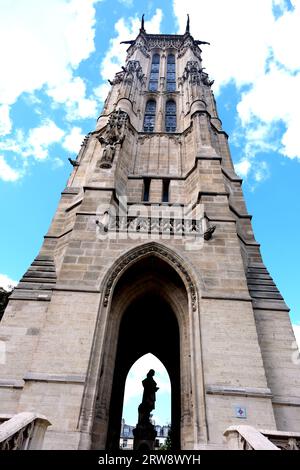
<point>64,327</point>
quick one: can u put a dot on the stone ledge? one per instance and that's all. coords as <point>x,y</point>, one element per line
<point>71,190</point>
<point>60,235</point>
<point>239,214</point>
<point>26,295</point>
<point>44,377</point>
<point>238,391</point>
<point>98,188</point>
<point>11,383</point>
<point>293,401</point>
<point>74,205</point>
<point>248,242</point>
<point>231,175</point>
<point>85,290</point>
<point>244,298</point>
<point>264,304</point>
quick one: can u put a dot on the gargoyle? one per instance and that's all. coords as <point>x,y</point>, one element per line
<point>73,162</point>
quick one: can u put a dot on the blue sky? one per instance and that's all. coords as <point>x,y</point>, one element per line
<point>56,57</point>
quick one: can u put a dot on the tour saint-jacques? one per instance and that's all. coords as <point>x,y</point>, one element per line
<point>151,250</point>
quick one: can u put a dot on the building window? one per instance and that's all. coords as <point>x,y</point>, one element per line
<point>149,118</point>
<point>171,116</point>
<point>146,194</point>
<point>165,194</point>
<point>171,75</point>
<point>153,82</point>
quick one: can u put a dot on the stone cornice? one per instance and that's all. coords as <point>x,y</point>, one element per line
<point>11,383</point>
<point>248,242</point>
<point>212,296</point>
<point>62,234</point>
<point>44,377</point>
<point>238,391</point>
<point>84,290</point>
<point>289,401</point>
<point>233,177</point>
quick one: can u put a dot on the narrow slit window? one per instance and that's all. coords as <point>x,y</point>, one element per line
<point>146,193</point>
<point>170,116</point>
<point>166,186</point>
<point>171,73</point>
<point>154,73</point>
<point>149,118</point>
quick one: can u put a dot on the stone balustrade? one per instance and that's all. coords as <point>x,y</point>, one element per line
<point>248,438</point>
<point>23,431</point>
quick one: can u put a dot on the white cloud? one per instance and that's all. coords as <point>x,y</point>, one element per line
<point>296,329</point>
<point>138,373</point>
<point>116,54</point>
<point>242,167</point>
<point>101,91</point>
<point>44,44</point>
<point>259,170</point>
<point>6,282</point>
<point>5,121</point>
<point>57,163</point>
<point>127,3</point>
<point>7,173</point>
<point>71,92</point>
<point>40,138</point>
<point>285,35</point>
<point>238,50</point>
<point>264,57</point>
<point>272,100</point>
<point>36,143</point>
<point>73,140</point>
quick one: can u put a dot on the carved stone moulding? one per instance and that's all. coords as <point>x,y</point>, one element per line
<point>180,44</point>
<point>119,77</point>
<point>133,68</point>
<point>194,72</point>
<point>147,250</point>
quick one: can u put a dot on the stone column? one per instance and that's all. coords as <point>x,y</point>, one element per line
<point>155,190</point>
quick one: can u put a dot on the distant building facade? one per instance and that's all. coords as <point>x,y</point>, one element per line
<point>126,437</point>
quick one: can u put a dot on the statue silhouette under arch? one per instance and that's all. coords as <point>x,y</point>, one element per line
<point>148,401</point>
<point>144,433</point>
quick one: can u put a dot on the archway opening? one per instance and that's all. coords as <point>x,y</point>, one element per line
<point>161,415</point>
<point>148,324</point>
<point>148,313</point>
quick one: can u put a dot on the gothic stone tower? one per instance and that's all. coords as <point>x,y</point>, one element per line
<point>151,250</point>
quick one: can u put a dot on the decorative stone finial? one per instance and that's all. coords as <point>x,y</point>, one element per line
<point>143,23</point>
<point>187,29</point>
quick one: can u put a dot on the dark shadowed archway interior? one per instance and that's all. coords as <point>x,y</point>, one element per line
<point>148,325</point>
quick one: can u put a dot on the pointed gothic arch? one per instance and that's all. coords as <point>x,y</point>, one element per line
<point>149,116</point>
<point>149,278</point>
<point>182,267</point>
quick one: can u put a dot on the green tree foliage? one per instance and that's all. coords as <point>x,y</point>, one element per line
<point>168,442</point>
